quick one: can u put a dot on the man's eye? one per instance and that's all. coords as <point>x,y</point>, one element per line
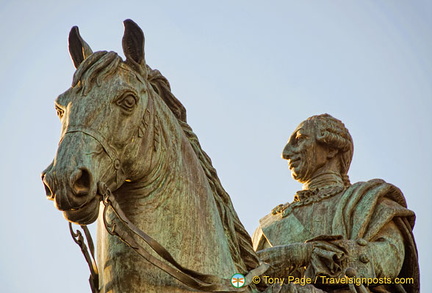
<point>127,102</point>
<point>301,137</point>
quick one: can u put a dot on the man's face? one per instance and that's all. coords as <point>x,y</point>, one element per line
<point>304,154</point>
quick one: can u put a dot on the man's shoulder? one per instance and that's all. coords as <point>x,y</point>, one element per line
<point>375,188</point>
<point>269,219</point>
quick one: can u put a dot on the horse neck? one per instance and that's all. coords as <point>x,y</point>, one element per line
<point>174,203</point>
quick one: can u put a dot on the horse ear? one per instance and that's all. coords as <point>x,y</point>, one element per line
<point>78,48</point>
<point>133,43</point>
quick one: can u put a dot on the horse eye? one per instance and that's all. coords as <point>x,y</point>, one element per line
<point>127,102</point>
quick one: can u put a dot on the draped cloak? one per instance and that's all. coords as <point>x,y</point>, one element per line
<point>360,213</point>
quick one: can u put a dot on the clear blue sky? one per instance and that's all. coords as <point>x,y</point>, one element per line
<point>248,73</point>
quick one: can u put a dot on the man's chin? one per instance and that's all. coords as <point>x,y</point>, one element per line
<point>298,177</point>
<point>85,215</point>
<point>295,175</point>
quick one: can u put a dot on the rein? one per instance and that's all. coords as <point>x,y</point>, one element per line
<point>190,278</point>
<point>88,253</point>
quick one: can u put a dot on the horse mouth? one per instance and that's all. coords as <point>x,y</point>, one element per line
<point>84,215</point>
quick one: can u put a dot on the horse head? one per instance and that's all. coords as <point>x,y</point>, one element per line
<point>102,116</point>
<point>121,123</point>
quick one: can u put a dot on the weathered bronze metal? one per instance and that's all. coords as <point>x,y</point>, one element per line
<point>123,130</point>
<point>338,236</point>
<point>89,254</point>
<point>193,279</point>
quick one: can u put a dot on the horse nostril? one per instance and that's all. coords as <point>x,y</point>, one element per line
<point>48,192</point>
<point>81,182</point>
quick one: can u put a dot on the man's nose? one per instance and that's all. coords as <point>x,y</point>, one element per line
<point>287,152</point>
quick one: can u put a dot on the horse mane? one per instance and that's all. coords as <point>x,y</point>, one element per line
<point>101,64</point>
<point>239,240</point>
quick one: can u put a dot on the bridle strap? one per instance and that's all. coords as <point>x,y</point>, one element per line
<point>187,277</point>
<point>191,278</point>
<point>88,253</point>
<point>109,150</point>
<point>112,153</point>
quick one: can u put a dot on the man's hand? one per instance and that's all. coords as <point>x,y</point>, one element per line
<point>284,256</point>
